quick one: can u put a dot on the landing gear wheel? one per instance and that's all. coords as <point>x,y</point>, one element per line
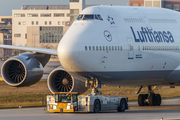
<point>122,106</point>
<point>97,106</point>
<point>152,99</point>
<point>141,100</point>
<point>146,97</point>
<point>158,99</point>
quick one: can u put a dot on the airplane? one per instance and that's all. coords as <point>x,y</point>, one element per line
<point>110,45</point>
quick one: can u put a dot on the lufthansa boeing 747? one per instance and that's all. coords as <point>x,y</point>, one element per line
<point>111,45</point>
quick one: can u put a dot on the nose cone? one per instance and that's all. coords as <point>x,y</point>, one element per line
<point>67,54</point>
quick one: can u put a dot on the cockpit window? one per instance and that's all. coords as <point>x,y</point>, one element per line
<point>96,17</point>
<point>99,17</point>
<point>79,17</point>
<point>89,17</point>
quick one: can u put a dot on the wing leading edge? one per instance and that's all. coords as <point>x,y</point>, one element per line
<point>30,49</point>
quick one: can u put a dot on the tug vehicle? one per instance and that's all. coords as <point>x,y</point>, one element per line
<point>73,102</point>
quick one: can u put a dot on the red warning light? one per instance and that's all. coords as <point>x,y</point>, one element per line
<point>106,51</point>
<point>111,4</point>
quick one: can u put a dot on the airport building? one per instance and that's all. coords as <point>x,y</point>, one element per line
<point>43,25</point>
<point>5,35</point>
<point>169,4</point>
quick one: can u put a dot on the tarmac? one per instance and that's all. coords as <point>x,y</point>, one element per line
<point>170,110</point>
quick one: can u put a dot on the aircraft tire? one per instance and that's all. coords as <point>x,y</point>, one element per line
<point>146,97</point>
<point>152,99</point>
<point>158,99</point>
<point>141,100</point>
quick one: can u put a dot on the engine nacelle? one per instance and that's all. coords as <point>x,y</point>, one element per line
<point>22,70</point>
<point>61,81</point>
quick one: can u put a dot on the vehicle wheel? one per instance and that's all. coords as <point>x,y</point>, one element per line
<point>141,100</point>
<point>122,105</point>
<point>97,106</point>
<point>152,99</point>
<point>158,99</point>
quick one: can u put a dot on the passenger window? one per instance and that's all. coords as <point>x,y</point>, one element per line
<point>100,48</point>
<point>118,48</point>
<point>86,48</point>
<point>131,47</point>
<point>89,47</point>
<point>88,17</point>
<point>97,48</point>
<point>109,47</point>
<point>103,48</point>
<point>138,48</point>
<point>121,48</point>
<point>106,47</point>
<point>112,47</point>
<point>93,48</point>
<point>143,47</point>
<point>115,48</point>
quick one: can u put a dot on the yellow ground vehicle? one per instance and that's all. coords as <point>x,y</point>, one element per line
<point>62,102</point>
<point>72,102</point>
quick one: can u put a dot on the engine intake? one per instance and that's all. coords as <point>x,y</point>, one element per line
<point>61,81</point>
<point>22,70</point>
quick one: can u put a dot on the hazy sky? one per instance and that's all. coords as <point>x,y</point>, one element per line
<point>6,6</point>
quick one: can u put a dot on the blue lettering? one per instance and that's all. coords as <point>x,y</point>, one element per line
<point>171,39</point>
<point>152,36</point>
<point>165,37</point>
<point>136,40</point>
<point>160,36</point>
<point>145,35</point>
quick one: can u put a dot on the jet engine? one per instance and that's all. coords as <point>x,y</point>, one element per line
<point>61,81</point>
<point>23,70</point>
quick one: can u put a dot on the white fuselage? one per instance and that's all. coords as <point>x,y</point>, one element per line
<point>130,46</point>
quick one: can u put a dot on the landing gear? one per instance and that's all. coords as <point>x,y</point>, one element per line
<point>154,100</point>
<point>142,100</point>
<point>150,99</point>
<point>94,84</point>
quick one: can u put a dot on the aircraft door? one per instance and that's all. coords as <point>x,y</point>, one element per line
<point>130,48</point>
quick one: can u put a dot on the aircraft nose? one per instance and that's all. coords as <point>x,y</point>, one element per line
<point>68,54</point>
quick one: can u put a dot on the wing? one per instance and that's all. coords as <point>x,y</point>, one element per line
<point>31,49</point>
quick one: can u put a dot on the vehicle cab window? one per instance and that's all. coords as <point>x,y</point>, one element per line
<point>65,98</point>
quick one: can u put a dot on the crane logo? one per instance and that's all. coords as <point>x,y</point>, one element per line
<point>108,36</point>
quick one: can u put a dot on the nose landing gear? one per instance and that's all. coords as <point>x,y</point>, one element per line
<point>150,99</point>
<point>94,84</point>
